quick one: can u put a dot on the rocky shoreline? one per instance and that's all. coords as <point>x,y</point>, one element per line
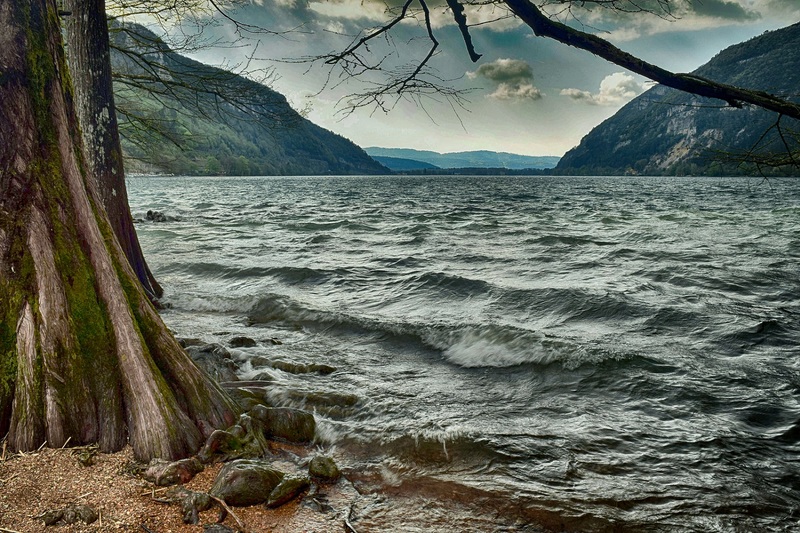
<point>271,471</point>
<point>264,473</point>
<point>52,491</point>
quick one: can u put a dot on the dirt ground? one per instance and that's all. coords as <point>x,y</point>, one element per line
<point>33,483</point>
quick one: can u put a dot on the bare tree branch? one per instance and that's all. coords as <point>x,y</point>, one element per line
<point>734,96</point>
<point>461,20</point>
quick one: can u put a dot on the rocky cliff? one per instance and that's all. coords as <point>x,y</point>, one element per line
<point>668,132</point>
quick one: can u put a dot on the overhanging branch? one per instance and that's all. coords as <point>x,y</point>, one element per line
<point>461,20</point>
<point>543,26</point>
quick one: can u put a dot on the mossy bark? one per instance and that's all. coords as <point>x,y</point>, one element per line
<point>84,356</point>
<point>89,61</point>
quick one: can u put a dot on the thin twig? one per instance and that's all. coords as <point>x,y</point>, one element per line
<point>230,512</point>
<point>153,491</point>
<point>42,446</point>
<point>66,442</point>
<point>4,481</point>
<point>4,530</point>
<point>347,523</point>
<point>334,58</point>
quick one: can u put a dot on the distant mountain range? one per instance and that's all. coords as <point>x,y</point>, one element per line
<point>661,132</point>
<point>410,159</point>
<point>206,132</point>
<point>668,132</point>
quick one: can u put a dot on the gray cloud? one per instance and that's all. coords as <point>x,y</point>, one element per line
<point>780,7</point>
<point>723,9</point>
<point>524,91</point>
<point>506,71</point>
<point>514,79</point>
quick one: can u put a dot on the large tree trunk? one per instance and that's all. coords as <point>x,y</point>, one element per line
<point>89,58</point>
<point>84,357</point>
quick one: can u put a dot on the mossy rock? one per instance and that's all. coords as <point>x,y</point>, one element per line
<point>283,423</point>
<point>288,489</point>
<point>245,482</point>
<point>69,515</point>
<point>220,443</point>
<point>324,469</point>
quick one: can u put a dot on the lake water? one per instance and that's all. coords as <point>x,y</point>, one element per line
<point>588,353</point>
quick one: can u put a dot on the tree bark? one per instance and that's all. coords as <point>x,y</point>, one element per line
<point>89,58</point>
<point>84,356</point>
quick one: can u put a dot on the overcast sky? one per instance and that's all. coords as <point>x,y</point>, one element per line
<point>527,95</point>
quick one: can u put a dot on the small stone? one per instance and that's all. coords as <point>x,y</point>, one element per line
<point>69,515</point>
<point>51,517</point>
<point>86,457</point>
<point>300,368</point>
<point>259,361</point>
<point>185,342</point>
<point>324,469</point>
<point>155,216</point>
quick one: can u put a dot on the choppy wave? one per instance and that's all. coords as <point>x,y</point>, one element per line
<point>468,346</point>
<point>450,283</point>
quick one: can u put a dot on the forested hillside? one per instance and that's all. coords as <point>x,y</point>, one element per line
<point>202,120</point>
<point>667,132</point>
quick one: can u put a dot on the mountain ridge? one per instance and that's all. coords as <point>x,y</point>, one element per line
<point>668,132</point>
<point>202,132</point>
<point>466,159</point>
